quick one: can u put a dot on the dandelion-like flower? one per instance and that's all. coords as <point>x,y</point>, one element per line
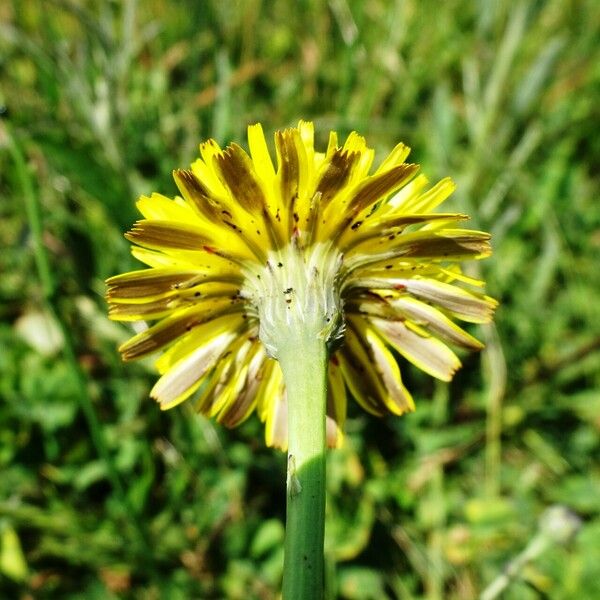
<point>252,251</point>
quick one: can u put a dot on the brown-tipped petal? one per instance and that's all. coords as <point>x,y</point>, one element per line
<point>168,235</point>
<point>157,307</point>
<point>360,376</point>
<point>237,173</point>
<point>228,378</point>
<point>198,195</point>
<point>184,378</point>
<point>181,322</point>
<point>244,388</point>
<point>435,321</point>
<point>373,228</point>
<point>455,244</point>
<point>335,174</point>
<point>425,352</point>
<point>445,244</point>
<point>397,398</point>
<point>404,307</point>
<point>148,283</point>
<point>146,311</point>
<point>288,165</point>
<point>467,306</point>
<point>379,186</point>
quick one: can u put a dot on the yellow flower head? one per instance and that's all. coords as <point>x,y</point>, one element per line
<point>250,250</point>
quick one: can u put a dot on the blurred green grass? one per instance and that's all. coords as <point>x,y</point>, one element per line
<point>103,99</point>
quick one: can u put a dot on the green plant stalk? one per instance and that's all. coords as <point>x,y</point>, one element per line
<point>34,217</point>
<point>304,365</point>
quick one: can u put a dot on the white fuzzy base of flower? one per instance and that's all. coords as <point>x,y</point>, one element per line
<point>297,292</point>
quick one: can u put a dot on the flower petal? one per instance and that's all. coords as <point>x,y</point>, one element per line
<point>396,157</point>
<point>373,188</point>
<point>260,153</point>
<point>403,307</point>
<point>425,352</point>
<point>369,372</point>
<point>230,379</point>
<point>435,321</point>
<point>198,195</point>
<point>156,259</point>
<point>372,228</point>
<point>465,305</point>
<point>446,244</point>
<point>176,325</point>
<point>335,174</point>
<point>397,398</point>
<point>237,173</point>
<point>185,345</point>
<point>168,234</point>
<point>148,283</point>
<point>410,201</point>
<point>185,376</point>
<point>336,404</point>
<point>244,390</point>
<point>276,426</point>
<point>358,200</point>
<point>162,208</point>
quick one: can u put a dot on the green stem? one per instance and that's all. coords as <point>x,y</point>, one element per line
<point>51,301</point>
<point>304,365</point>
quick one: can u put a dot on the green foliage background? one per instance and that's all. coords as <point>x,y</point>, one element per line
<point>100,100</point>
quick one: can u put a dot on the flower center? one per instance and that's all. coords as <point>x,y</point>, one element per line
<point>297,294</point>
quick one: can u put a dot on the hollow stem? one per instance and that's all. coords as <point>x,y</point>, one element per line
<point>304,364</point>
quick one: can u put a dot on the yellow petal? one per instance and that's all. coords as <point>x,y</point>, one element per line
<point>205,172</point>
<point>397,398</point>
<point>373,228</point>
<point>468,306</point>
<point>237,173</point>
<point>185,376</point>
<point>427,353</point>
<point>436,322</point>
<point>355,204</point>
<point>244,396</point>
<point>446,244</point>
<point>260,154</point>
<point>336,404</point>
<point>276,426</point>
<point>289,150</point>
<point>231,381</point>
<point>154,258</point>
<point>161,208</point>
<point>396,157</point>
<point>427,201</point>
<point>360,376</point>
<point>334,175</point>
<point>404,197</point>
<point>175,326</point>
<point>198,196</point>
<point>148,283</point>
